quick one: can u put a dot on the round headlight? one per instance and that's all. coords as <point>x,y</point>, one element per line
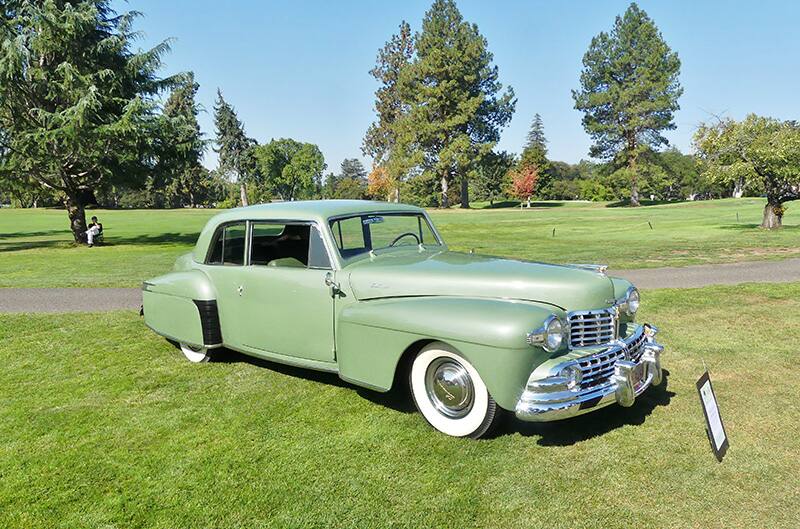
<point>573,374</point>
<point>554,334</point>
<point>632,302</point>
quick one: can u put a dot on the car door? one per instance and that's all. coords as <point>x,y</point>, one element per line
<point>287,307</point>
<point>225,265</point>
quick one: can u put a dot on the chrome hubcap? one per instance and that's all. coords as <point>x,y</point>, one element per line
<point>449,387</point>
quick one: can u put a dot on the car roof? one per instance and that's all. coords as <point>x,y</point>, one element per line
<point>306,210</point>
<point>316,210</point>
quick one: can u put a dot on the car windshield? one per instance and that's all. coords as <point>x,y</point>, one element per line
<point>363,233</point>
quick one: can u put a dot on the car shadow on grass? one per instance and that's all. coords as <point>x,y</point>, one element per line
<point>395,399</point>
<point>583,427</point>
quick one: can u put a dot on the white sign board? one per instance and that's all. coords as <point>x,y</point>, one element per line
<point>714,427</point>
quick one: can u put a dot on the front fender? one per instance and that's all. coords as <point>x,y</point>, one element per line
<point>372,336</point>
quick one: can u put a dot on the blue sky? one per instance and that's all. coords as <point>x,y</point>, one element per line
<point>300,69</point>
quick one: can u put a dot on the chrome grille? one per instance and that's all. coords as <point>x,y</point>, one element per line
<point>598,368</point>
<point>592,327</point>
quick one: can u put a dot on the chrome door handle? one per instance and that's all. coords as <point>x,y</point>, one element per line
<point>333,285</point>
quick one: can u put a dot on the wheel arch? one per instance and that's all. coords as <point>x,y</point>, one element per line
<point>377,339</point>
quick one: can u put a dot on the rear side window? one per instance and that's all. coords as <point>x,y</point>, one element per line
<point>228,247</point>
<point>287,245</point>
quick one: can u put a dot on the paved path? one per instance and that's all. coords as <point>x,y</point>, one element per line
<point>102,299</point>
<point>68,299</point>
<point>714,274</point>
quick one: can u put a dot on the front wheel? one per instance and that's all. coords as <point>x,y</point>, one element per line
<point>450,393</point>
<point>195,354</point>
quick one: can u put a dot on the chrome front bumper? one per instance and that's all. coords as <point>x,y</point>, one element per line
<point>547,399</point>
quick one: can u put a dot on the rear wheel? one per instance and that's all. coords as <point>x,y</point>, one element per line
<point>194,353</point>
<point>450,393</point>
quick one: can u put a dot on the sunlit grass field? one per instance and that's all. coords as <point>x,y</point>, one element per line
<point>36,248</point>
<point>103,424</point>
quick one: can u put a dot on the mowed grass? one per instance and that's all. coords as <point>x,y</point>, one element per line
<point>103,424</point>
<point>36,248</point>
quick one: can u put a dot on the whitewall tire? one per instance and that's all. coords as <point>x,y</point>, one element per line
<point>450,394</point>
<point>195,354</point>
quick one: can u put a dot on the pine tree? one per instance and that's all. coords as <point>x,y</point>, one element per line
<point>380,139</point>
<point>535,154</point>
<point>353,169</point>
<point>455,108</point>
<point>629,91</point>
<point>236,160</point>
<point>396,54</point>
<point>78,107</point>
<point>536,138</point>
<point>182,174</point>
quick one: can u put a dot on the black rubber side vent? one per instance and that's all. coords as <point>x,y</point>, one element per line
<point>209,321</point>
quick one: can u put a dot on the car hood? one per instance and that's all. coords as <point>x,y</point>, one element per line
<point>446,273</point>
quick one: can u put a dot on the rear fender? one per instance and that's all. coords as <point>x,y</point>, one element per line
<point>182,306</point>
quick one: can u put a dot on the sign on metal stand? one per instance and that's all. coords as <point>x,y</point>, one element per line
<point>714,427</point>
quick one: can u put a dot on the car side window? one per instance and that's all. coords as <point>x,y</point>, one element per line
<point>287,245</point>
<point>349,236</point>
<point>317,253</point>
<point>228,248</point>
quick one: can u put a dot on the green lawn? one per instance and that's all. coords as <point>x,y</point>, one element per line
<point>35,247</point>
<point>103,424</point>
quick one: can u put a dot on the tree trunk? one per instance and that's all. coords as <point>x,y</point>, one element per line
<point>634,181</point>
<point>445,203</point>
<point>773,215</point>
<point>464,192</point>
<point>77,218</point>
<point>243,193</point>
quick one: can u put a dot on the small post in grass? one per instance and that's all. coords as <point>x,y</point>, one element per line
<point>554,232</point>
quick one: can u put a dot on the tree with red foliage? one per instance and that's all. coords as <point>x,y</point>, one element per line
<point>523,183</point>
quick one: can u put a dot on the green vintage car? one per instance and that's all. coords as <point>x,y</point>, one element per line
<point>369,290</point>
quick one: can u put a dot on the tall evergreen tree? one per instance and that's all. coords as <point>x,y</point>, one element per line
<point>182,173</point>
<point>629,91</point>
<point>350,183</point>
<point>236,160</point>
<point>534,155</point>
<point>380,139</point>
<point>455,106</point>
<point>536,137</point>
<point>76,104</point>
<point>353,169</point>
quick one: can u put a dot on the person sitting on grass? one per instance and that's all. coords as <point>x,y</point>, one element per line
<point>95,229</point>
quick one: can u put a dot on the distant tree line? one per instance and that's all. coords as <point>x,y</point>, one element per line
<point>85,120</point>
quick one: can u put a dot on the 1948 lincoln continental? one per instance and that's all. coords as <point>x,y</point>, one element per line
<point>370,291</point>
